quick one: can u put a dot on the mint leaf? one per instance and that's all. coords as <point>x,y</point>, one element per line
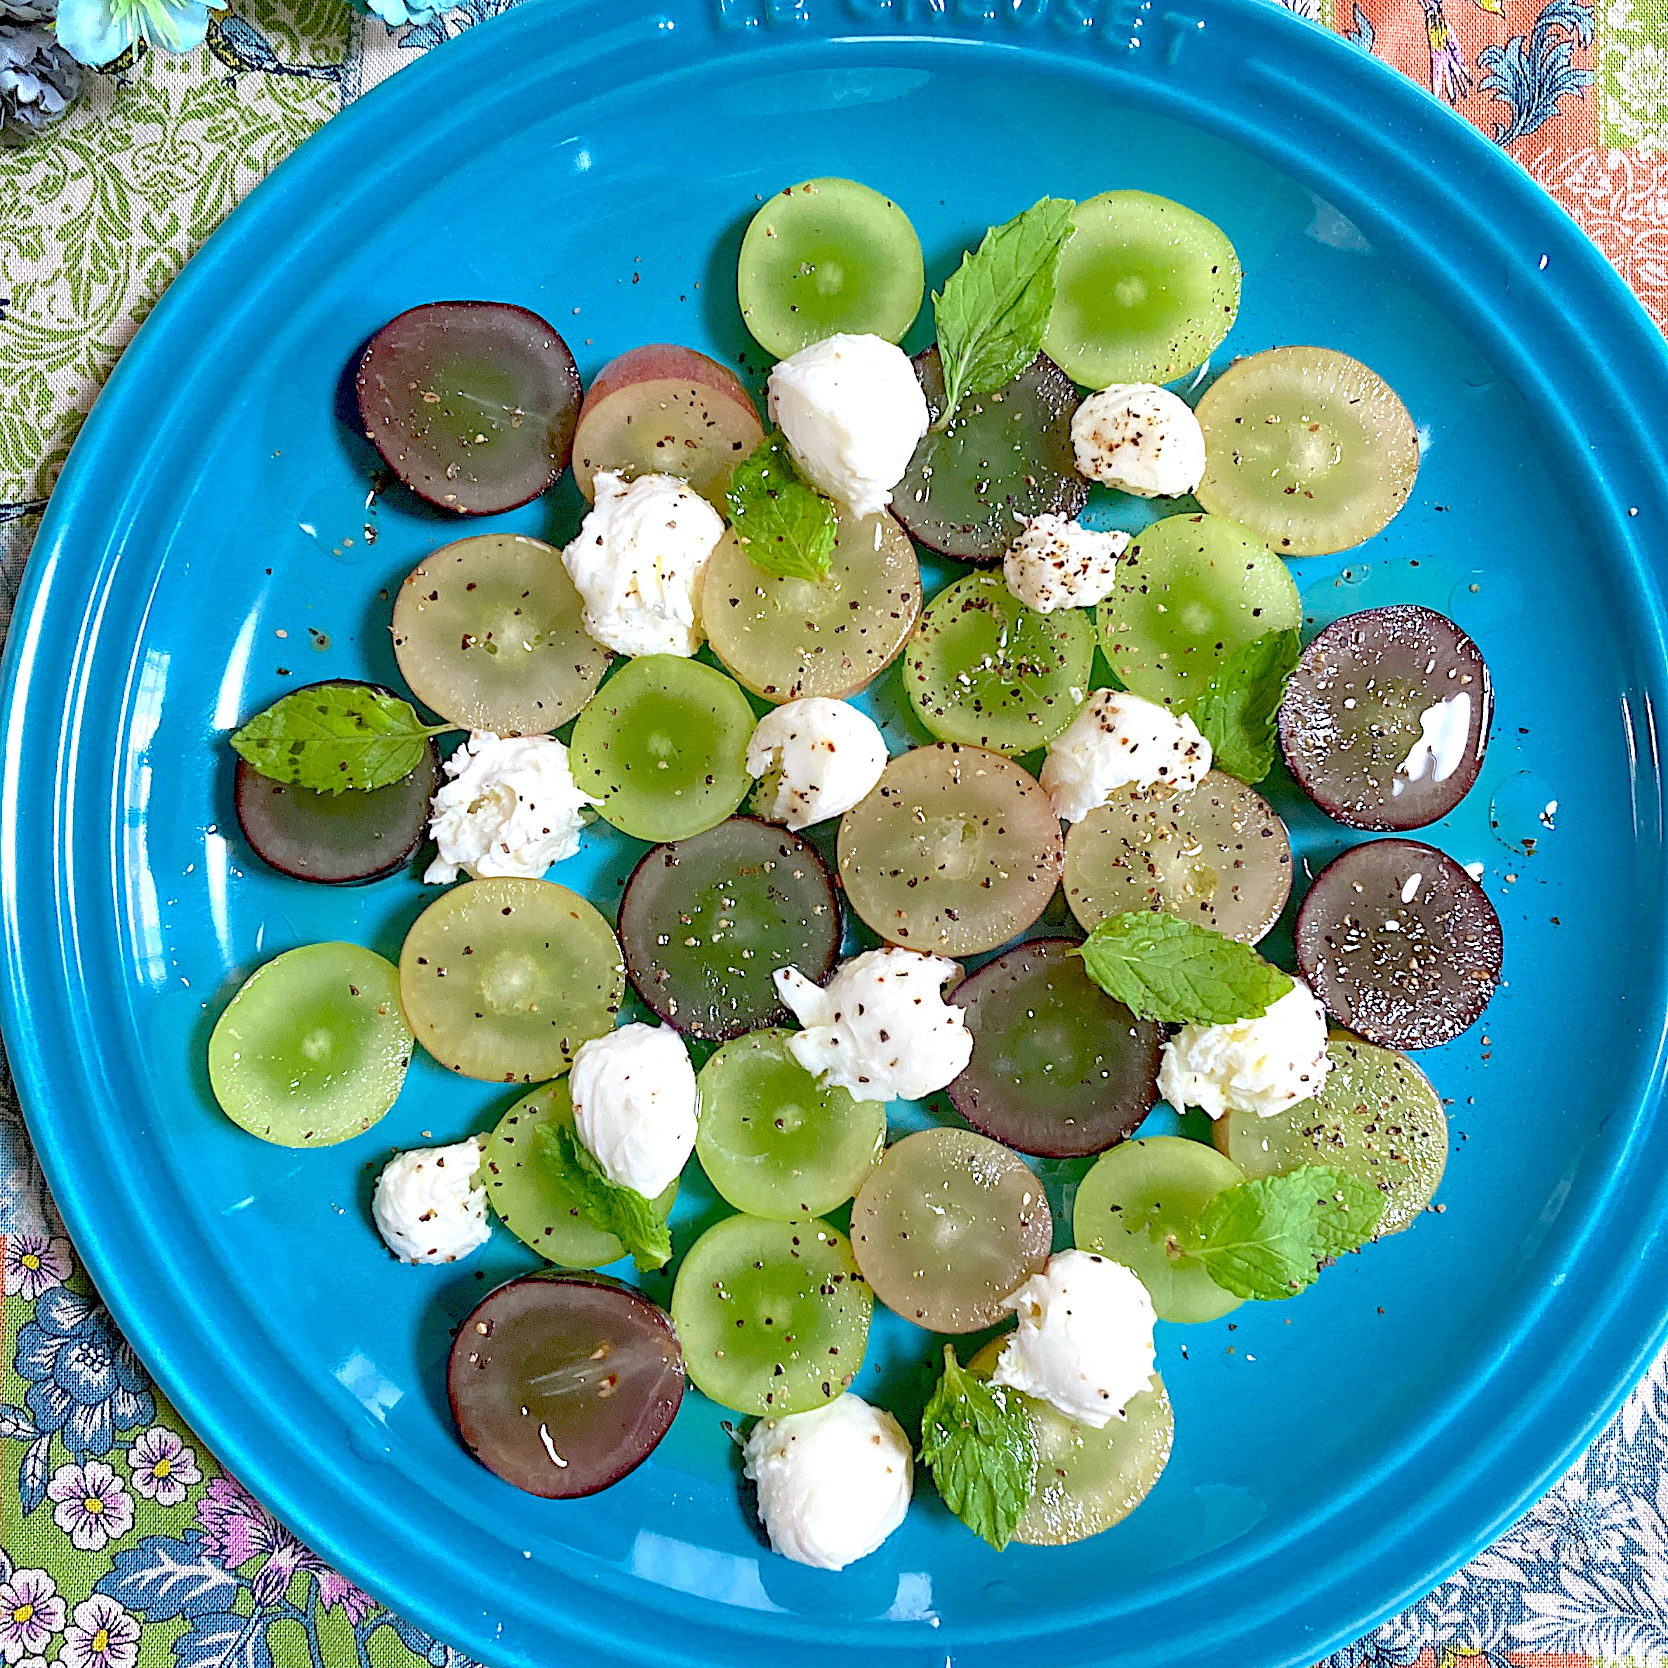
<point>1171,970</point>
<point>1238,710</point>
<point>785,527</point>
<point>977,1440</point>
<point>620,1211</point>
<point>335,737</point>
<point>994,309</point>
<point>1267,1238</point>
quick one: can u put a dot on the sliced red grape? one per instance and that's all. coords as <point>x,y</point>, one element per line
<point>1400,944</point>
<point>473,404</point>
<point>1005,455</point>
<point>564,1383</point>
<point>704,922</point>
<point>1386,718</point>
<point>1059,1068</point>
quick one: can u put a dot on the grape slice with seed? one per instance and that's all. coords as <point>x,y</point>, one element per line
<point>1218,855</point>
<point>564,1383</point>
<point>1139,1205</point>
<point>984,669</point>
<point>1307,447</point>
<point>705,922</point>
<point>504,979</point>
<point>1400,944</point>
<point>313,1048</point>
<point>954,851</point>
<point>774,1316</point>
<point>1354,715</point>
<point>947,1225</point>
<point>1059,1068</point>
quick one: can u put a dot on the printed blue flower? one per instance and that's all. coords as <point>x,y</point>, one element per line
<point>396,12</point>
<point>85,1382</point>
<point>99,31</point>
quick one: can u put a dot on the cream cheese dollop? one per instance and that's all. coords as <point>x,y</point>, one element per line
<point>1141,439</point>
<point>833,1482</point>
<point>880,1028</point>
<point>1258,1065</point>
<point>635,1105</point>
<point>638,561</point>
<point>1120,740</point>
<point>1056,562</point>
<point>1444,730</point>
<point>509,806</point>
<point>815,759</point>
<point>427,1206</point>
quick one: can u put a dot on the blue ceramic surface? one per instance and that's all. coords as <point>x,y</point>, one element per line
<point>210,546</point>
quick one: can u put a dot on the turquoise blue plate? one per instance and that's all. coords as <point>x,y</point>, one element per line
<point>210,546</point>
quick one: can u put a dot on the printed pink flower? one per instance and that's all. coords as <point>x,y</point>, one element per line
<point>163,1467</point>
<point>102,1635</point>
<point>34,1264</point>
<point>92,1505</point>
<point>30,1613</point>
<point>237,1529</point>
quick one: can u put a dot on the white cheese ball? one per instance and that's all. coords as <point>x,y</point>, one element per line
<point>815,758</point>
<point>833,1483</point>
<point>1255,1065</point>
<point>510,806</point>
<point>1056,563</point>
<point>426,1205</point>
<point>852,412</point>
<point>1120,740</point>
<point>638,561</point>
<point>880,1027</point>
<point>635,1105</point>
<point>1084,1343</point>
<point>1140,439</point>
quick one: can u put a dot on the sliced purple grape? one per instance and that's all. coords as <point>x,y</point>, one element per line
<point>1059,1068</point>
<point>335,839</point>
<point>564,1383</point>
<point>473,404</point>
<point>1005,455</point>
<point>1386,718</point>
<point>1400,944</point>
<point>706,921</point>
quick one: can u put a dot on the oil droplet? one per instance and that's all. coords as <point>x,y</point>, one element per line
<point>1517,812</point>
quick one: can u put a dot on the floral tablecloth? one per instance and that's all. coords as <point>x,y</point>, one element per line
<point>122,1542</point>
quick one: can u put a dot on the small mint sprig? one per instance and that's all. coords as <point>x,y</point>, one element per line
<point>1268,1238</point>
<point>784,526</point>
<point>977,1441</point>
<point>1180,973</point>
<point>1239,711</point>
<point>606,1205</point>
<point>336,737</point>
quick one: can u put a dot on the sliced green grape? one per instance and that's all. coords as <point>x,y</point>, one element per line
<point>1376,1117</point>
<point>1217,854</point>
<point>785,638</point>
<point>1191,590</point>
<point>984,669</point>
<point>773,1140</point>
<point>663,745</point>
<point>1138,1206</point>
<point>1088,1479</point>
<point>773,1316</point>
<point>828,257</point>
<point>1146,291</point>
<point>487,631</point>
<point>313,1048</point>
<point>1308,448</point>
<point>504,979</point>
<point>528,1193</point>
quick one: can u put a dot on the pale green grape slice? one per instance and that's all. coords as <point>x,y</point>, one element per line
<point>984,669</point>
<point>663,746</point>
<point>1376,1117</point>
<point>528,1193</point>
<point>1146,291</point>
<point>774,1141</point>
<point>828,257</point>
<point>1308,448</point>
<point>504,979</point>
<point>487,632</point>
<point>1138,1206</point>
<point>1191,590</point>
<point>313,1048</point>
<point>1088,1479</point>
<point>773,1316</point>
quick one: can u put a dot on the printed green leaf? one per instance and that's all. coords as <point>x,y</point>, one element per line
<point>1178,972</point>
<point>1240,706</point>
<point>977,1441</point>
<point>784,526</point>
<point>1267,1238</point>
<point>620,1211</point>
<point>336,737</point>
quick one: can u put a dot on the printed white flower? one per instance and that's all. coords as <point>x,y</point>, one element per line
<point>30,1613</point>
<point>103,1635</point>
<point>163,1467</point>
<point>92,1507</point>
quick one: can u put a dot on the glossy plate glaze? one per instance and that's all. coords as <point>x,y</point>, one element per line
<point>1335,1455</point>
